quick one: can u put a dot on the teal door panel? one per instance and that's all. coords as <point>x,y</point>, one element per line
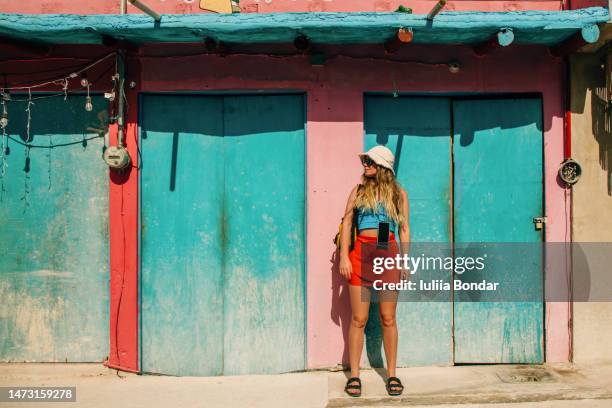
<point>497,150</point>
<point>264,254</point>
<point>223,234</point>
<point>181,235</point>
<point>418,132</point>
<point>54,293</point>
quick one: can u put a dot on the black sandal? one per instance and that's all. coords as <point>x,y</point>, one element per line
<point>351,386</point>
<point>394,386</point>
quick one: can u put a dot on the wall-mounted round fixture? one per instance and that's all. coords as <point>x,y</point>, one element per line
<point>117,157</point>
<point>570,171</point>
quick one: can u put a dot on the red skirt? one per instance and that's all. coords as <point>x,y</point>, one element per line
<point>362,259</point>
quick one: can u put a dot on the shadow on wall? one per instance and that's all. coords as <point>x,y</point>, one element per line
<point>211,116</point>
<point>589,74</point>
<point>601,117</point>
<point>341,316</point>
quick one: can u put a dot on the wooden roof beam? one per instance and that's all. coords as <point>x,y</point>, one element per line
<point>503,38</point>
<point>401,38</point>
<point>587,35</point>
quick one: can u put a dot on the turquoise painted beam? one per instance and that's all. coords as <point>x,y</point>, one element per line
<point>587,35</point>
<point>469,27</point>
<point>590,33</point>
<point>503,38</point>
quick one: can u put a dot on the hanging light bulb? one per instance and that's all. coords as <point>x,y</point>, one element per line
<point>4,118</point>
<point>84,81</point>
<point>88,104</point>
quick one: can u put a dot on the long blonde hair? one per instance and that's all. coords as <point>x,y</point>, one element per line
<point>384,185</point>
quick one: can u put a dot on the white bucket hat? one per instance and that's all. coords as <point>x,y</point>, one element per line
<point>382,156</point>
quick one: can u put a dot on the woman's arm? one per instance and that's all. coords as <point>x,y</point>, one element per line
<point>345,237</point>
<point>347,222</point>
<point>405,227</point>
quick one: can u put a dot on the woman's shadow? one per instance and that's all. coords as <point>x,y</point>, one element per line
<point>341,316</point>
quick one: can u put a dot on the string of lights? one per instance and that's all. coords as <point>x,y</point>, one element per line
<point>52,146</point>
<point>63,82</point>
<point>62,79</point>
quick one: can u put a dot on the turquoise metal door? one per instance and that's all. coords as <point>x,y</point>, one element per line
<point>417,130</point>
<point>222,201</point>
<point>497,180</point>
<point>497,150</point>
<point>181,235</point>
<point>54,292</point>
<point>264,282</point>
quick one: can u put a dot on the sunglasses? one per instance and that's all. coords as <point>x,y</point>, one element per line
<point>367,161</point>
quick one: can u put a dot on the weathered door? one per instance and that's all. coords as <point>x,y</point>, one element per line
<point>418,131</point>
<point>497,150</point>
<point>497,179</point>
<point>222,243</point>
<point>54,271</point>
<point>264,282</point>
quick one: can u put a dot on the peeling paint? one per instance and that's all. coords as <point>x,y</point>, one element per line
<point>51,273</point>
<point>244,291</point>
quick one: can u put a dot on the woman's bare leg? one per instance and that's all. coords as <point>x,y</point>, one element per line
<point>360,306</point>
<point>388,306</point>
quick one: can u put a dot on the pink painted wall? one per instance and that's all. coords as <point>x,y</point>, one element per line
<point>96,6</point>
<point>418,6</point>
<point>335,136</point>
<point>59,6</point>
<point>269,6</point>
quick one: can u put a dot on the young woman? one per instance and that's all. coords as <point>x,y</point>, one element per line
<point>379,198</point>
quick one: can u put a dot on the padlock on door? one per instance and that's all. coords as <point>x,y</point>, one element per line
<point>539,222</point>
